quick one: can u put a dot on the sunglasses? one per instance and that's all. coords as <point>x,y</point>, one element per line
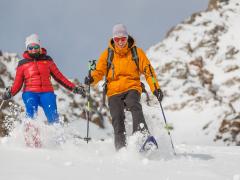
<point>117,39</point>
<point>34,47</point>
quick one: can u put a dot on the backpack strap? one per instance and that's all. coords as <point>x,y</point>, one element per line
<point>109,60</point>
<point>135,56</point>
<point>109,64</point>
<point>136,60</point>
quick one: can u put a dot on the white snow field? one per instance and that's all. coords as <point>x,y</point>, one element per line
<point>98,160</point>
<point>75,159</point>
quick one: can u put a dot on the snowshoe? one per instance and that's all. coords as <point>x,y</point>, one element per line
<point>150,144</point>
<point>32,136</point>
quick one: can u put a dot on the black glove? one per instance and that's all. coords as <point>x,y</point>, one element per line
<point>159,94</point>
<point>79,90</point>
<point>88,80</point>
<point>7,94</point>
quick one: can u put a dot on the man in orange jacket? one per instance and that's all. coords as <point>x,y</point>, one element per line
<point>123,82</point>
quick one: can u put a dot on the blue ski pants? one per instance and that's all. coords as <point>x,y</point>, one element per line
<point>47,100</point>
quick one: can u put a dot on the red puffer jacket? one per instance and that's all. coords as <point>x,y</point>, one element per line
<point>36,74</point>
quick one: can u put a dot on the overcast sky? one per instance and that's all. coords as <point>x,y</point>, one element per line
<point>75,31</point>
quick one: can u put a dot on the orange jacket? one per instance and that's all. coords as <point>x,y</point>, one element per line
<point>125,75</point>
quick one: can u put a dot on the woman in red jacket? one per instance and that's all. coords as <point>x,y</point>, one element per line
<point>34,71</point>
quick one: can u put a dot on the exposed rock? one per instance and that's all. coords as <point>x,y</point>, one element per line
<point>197,62</point>
<point>231,52</point>
<point>177,69</point>
<point>2,68</point>
<point>192,91</point>
<point>193,17</point>
<point>3,130</point>
<point>231,68</point>
<point>214,4</point>
<point>2,85</point>
<point>229,131</point>
<point>173,29</point>
<point>206,77</point>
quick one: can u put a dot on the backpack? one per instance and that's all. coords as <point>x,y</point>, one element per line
<point>135,58</point>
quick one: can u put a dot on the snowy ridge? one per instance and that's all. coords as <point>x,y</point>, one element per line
<point>199,70</point>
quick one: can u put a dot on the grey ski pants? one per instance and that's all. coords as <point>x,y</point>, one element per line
<point>117,103</point>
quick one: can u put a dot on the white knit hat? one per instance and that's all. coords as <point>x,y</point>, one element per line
<point>120,30</point>
<point>33,38</point>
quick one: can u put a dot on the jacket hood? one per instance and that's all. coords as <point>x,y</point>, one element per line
<point>26,55</point>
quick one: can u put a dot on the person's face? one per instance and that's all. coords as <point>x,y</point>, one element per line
<point>120,42</point>
<point>33,48</point>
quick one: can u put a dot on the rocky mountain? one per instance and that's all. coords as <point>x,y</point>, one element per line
<point>198,66</point>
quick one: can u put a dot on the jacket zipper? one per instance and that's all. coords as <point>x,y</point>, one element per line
<point>38,72</point>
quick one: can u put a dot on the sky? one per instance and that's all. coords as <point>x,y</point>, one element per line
<point>76,31</point>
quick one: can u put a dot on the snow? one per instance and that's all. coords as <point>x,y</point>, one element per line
<point>75,159</point>
<point>98,160</point>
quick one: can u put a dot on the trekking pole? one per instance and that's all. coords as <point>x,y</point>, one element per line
<point>2,104</point>
<point>91,66</point>
<point>164,117</point>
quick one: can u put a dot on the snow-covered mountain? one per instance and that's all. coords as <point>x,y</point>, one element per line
<point>198,66</point>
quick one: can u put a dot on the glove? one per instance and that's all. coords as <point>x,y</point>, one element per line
<point>79,90</point>
<point>7,94</point>
<point>88,80</point>
<point>159,94</point>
